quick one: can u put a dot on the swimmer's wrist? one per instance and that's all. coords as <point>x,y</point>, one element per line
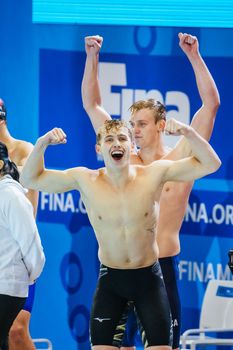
<point>187,131</point>
<point>40,143</point>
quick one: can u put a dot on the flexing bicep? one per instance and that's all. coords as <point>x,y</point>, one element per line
<point>54,181</point>
<point>187,169</point>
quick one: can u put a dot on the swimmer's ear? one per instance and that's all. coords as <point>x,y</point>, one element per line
<point>97,149</point>
<point>161,124</point>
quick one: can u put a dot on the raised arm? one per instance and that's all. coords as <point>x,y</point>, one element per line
<point>90,85</point>
<point>31,194</point>
<point>204,118</point>
<point>35,176</point>
<point>203,162</point>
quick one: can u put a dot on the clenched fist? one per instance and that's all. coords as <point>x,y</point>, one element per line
<point>188,43</point>
<point>176,128</point>
<point>93,44</point>
<point>55,136</point>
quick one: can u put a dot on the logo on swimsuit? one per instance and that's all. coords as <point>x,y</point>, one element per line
<point>175,323</point>
<point>103,271</point>
<point>102,319</point>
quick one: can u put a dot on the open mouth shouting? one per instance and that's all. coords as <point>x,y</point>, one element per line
<point>117,154</point>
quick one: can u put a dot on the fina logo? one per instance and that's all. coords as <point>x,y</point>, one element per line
<point>112,75</point>
<point>201,271</point>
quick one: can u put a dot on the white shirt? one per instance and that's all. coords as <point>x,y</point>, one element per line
<point>21,253</point>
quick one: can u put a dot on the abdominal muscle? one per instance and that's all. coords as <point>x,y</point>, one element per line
<point>126,249</point>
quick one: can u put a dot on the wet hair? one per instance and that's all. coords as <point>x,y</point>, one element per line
<point>157,107</point>
<point>9,167</point>
<point>3,112</point>
<point>112,124</point>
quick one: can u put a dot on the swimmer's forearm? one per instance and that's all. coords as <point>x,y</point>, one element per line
<point>90,84</point>
<point>34,165</point>
<point>206,85</point>
<point>91,96</point>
